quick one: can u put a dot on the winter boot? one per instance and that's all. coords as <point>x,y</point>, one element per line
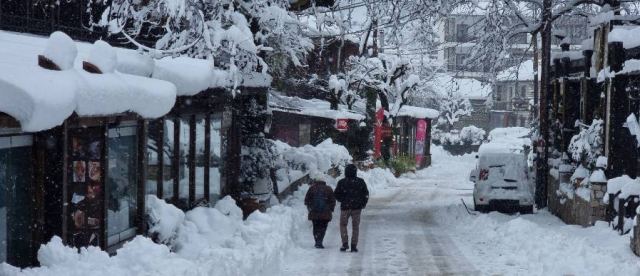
<point>344,247</point>
<point>354,249</point>
<point>319,246</point>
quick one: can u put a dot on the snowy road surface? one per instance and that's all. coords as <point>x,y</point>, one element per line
<point>418,226</point>
<point>398,235</point>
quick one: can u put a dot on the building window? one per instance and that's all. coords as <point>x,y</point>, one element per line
<point>305,134</point>
<point>460,61</point>
<point>216,163</point>
<point>450,57</point>
<point>200,157</point>
<point>15,199</point>
<point>499,91</point>
<point>183,164</point>
<point>523,92</point>
<point>121,184</point>
<point>450,29</point>
<point>169,127</point>
<point>462,33</point>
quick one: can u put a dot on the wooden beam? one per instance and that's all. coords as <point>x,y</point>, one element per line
<point>142,176</point>
<point>207,156</point>
<point>191,160</point>
<point>160,152</point>
<point>175,166</point>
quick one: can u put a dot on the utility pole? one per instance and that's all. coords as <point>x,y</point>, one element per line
<point>542,161</point>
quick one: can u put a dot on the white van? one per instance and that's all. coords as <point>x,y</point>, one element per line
<point>501,180</point>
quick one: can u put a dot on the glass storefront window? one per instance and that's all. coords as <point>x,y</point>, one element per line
<point>216,163</point>
<point>15,199</point>
<point>154,146</point>
<point>121,184</point>
<point>184,157</point>
<point>200,157</point>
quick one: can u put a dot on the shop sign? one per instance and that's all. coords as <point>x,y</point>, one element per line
<point>342,124</point>
<point>421,134</point>
<point>377,134</point>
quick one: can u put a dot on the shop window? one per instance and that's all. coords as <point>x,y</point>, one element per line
<point>304,134</point>
<point>200,157</point>
<point>183,165</point>
<point>154,152</point>
<point>121,184</point>
<point>15,199</point>
<point>168,145</point>
<point>217,162</point>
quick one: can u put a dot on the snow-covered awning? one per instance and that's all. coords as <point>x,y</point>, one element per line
<point>417,112</point>
<point>41,99</point>
<point>312,107</point>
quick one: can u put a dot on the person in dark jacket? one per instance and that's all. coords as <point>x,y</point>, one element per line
<point>320,202</point>
<point>353,195</point>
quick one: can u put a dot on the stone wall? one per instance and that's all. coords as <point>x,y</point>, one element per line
<point>574,209</point>
<point>635,240</point>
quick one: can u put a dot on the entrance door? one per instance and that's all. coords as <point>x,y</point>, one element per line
<point>15,199</point>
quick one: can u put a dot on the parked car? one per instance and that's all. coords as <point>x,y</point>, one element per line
<point>501,180</point>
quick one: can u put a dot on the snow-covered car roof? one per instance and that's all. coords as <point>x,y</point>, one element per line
<point>506,140</point>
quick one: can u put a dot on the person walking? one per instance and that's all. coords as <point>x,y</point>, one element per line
<point>320,202</point>
<point>353,195</point>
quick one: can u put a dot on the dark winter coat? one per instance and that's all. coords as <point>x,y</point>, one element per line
<point>320,191</point>
<point>352,192</point>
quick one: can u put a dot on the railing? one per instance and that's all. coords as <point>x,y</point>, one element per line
<point>626,210</point>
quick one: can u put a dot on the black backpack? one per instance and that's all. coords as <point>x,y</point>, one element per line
<point>319,203</point>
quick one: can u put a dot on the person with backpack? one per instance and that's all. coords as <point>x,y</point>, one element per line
<point>320,202</point>
<point>353,195</point>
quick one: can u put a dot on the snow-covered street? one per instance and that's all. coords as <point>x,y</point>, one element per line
<point>418,226</point>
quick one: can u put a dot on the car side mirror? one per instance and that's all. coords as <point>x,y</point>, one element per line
<point>472,176</point>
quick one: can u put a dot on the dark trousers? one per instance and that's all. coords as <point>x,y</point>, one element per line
<point>319,229</point>
<point>354,214</point>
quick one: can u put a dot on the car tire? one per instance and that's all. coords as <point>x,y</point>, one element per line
<point>525,210</point>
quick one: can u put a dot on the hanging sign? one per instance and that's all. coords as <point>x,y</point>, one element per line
<point>377,133</point>
<point>342,124</point>
<point>421,134</point>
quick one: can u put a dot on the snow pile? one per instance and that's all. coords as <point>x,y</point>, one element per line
<point>295,162</point>
<point>623,184</point>
<point>204,241</point>
<point>538,245</point>
<point>164,218</point>
<point>472,135</point>
<point>61,50</point>
<point>103,56</point>
<point>378,179</point>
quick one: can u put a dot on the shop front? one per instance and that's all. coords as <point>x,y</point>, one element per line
<point>16,194</point>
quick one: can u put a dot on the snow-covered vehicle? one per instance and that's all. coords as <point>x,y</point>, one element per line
<point>501,179</point>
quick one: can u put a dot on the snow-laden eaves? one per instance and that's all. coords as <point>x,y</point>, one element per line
<point>417,112</point>
<point>41,99</point>
<point>312,107</point>
<point>38,98</point>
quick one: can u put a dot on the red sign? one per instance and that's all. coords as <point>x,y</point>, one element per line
<point>421,135</point>
<point>377,133</point>
<point>342,124</point>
